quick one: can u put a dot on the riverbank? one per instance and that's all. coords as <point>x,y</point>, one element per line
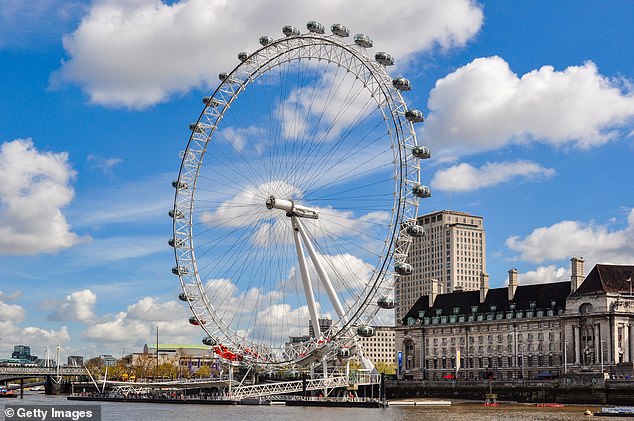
<point>593,390</point>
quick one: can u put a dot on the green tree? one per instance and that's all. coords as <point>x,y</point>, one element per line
<point>203,371</point>
<point>167,370</point>
<point>96,367</point>
<point>385,368</point>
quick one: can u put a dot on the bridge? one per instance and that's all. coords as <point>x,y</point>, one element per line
<point>10,373</point>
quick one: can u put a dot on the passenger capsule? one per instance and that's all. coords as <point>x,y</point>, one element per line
<point>421,191</point>
<point>196,321</point>
<point>384,58</point>
<point>210,101</point>
<point>290,31</point>
<point>175,214</point>
<point>315,27</point>
<point>243,56</point>
<point>386,303</point>
<point>183,297</point>
<point>180,185</point>
<point>198,127</point>
<point>179,270</point>
<point>402,84</point>
<point>209,341</point>
<point>415,116</point>
<point>343,352</point>
<point>403,268</point>
<point>365,331</point>
<point>421,152</point>
<point>175,242</point>
<point>363,41</point>
<point>340,30</point>
<point>415,231</point>
<point>264,40</point>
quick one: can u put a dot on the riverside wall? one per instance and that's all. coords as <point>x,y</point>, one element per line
<point>582,389</point>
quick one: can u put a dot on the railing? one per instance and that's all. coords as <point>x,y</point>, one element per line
<point>43,371</point>
<point>282,388</point>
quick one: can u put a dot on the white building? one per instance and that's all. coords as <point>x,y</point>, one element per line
<point>531,332</point>
<point>450,255</point>
<point>380,347</point>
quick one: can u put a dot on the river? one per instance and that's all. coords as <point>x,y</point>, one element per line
<point>114,411</point>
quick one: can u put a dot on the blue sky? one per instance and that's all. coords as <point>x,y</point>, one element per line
<point>529,106</point>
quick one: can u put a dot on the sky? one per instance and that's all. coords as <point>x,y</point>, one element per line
<point>529,112</point>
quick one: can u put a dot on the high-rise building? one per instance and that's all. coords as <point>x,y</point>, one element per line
<point>450,256</point>
<point>380,346</point>
<point>22,352</point>
<point>324,325</point>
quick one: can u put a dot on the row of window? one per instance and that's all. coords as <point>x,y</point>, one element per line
<point>539,347</point>
<point>495,362</point>
<point>491,338</point>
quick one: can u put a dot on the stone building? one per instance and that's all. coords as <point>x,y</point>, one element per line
<point>449,256</point>
<point>380,347</point>
<point>522,331</point>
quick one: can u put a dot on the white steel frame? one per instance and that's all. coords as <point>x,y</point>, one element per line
<point>406,173</point>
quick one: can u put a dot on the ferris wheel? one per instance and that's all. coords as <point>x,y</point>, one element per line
<point>295,198</point>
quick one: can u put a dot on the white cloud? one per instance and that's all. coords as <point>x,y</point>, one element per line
<point>239,137</point>
<point>484,105</point>
<point>544,274</point>
<point>327,111</point>
<point>119,330</point>
<point>34,187</point>
<point>137,325</point>
<point>38,338</point>
<point>345,271</point>
<point>134,54</point>
<point>11,312</point>
<point>103,164</point>
<point>274,227</point>
<point>78,306</point>
<point>598,243</point>
<point>150,309</point>
<point>465,177</point>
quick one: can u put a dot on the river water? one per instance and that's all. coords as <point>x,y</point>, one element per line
<point>115,411</point>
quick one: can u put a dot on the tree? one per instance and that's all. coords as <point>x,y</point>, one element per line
<point>203,372</point>
<point>144,366</point>
<point>385,368</point>
<point>167,369</point>
<point>96,366</point>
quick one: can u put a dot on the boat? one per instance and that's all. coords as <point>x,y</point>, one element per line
<point>616,411</point>
<point>4,393</point>
<point>550,405</point>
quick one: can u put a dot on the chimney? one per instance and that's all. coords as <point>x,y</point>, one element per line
<point>513,283</point>
<point>484,286</point>
<point>576,273</point>
<point>436,289</point>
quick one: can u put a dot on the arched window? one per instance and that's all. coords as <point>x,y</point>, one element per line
<point>585,308</point>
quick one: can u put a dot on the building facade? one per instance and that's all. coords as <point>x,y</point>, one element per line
<point>522,332</point>
<point>380,347</point>
<point>450,255</point>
